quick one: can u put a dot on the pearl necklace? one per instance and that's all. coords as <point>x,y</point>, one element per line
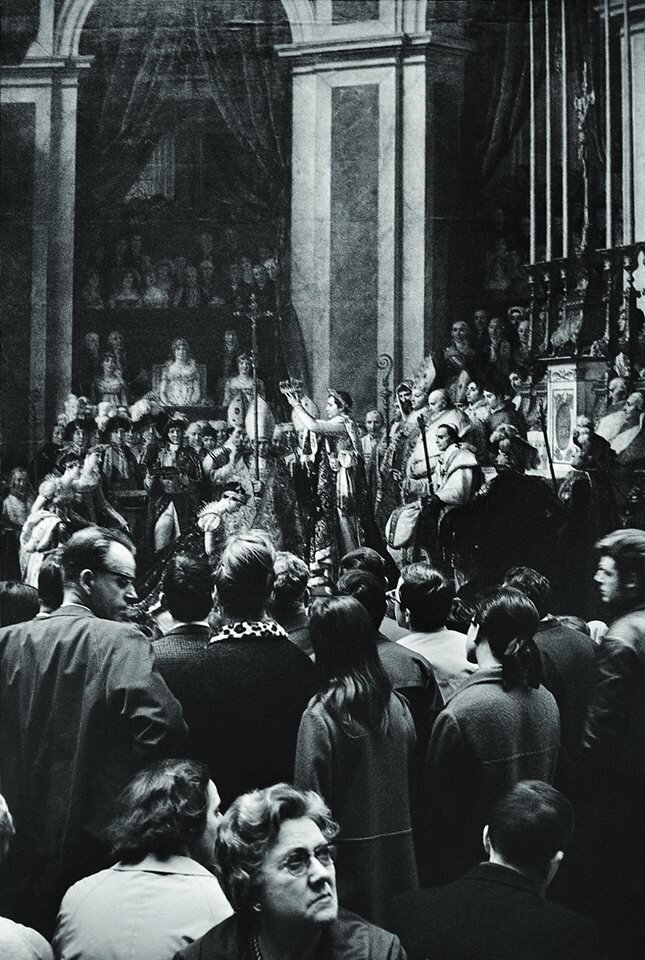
<point>256,948</point>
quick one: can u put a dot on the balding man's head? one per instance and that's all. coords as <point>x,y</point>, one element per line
<point>438,400</point>
<point>617,389</point>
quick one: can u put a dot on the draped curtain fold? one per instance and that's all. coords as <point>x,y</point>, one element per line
<point>146,52</point>
<point>125,113</point>
<point>507,91</point>
<point>499,106</point>
<point>586,58</point>
<point>251,91</point>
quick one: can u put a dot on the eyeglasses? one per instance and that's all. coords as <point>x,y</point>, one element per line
<point>393,595</point>
<point>297,862</point>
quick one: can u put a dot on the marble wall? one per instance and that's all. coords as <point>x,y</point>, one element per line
<point>17,131</point>
<point>348,11</point>
<point>354,238</point>
<point>638,126</point>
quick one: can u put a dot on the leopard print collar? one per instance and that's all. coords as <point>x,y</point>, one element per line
<point>249,628</point>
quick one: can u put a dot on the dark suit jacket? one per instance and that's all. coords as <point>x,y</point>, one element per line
<point>243,696</point>
<point>177,648</point>
<point>484,741</point>
<point>82,707</point>
<point>412,676</point>
<point>570,673</point>
<point>493,913</point>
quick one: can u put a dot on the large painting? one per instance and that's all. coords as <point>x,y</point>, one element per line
<point>182,190</point>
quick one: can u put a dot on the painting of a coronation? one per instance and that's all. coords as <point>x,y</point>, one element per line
<point>322,479</point>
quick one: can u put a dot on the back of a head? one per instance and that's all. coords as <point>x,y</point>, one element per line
<point>342,634</point>
<point>18,602</point>
<point>50,584</point>
<point>162,811</point>
<point>368,590</point>
<point>187,588</point>
<point>529,825</point>
<point>244,575</point>
<point>533,585</point>
<point>507,621</point>
<point>364,558</point>
<point>290,584</point>
<point>87,549</point>
<point>353,684</point>
<point>438,399</point>
<point>427,595</point>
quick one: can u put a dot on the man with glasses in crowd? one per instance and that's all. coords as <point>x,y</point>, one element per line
<point>82,707</point>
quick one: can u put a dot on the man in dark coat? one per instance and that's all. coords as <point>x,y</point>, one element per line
<point>249,691</point>
<point>185,603</point>
<point>568,661</point>
<point>498,909</point>
<point>612,752</point>
<point>81,708</point>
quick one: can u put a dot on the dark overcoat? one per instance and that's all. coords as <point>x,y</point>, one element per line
<point>82,707</point>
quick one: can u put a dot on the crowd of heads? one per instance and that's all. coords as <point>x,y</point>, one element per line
<point>131,276</point>
<point>272,845</point>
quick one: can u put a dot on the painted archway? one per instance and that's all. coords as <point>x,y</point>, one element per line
<point>74,13</point>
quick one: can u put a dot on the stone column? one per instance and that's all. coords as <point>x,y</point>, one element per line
<point>61,236</point>
<point>637,133</point>
<point>358,207</point>
<point>368,274</point>
<point>28,89</point>
<point>48,85</point>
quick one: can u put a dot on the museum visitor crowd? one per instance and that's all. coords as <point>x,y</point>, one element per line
<point>318,688</point>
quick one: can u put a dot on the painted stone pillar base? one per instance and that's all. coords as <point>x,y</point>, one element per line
<point>574,386</point>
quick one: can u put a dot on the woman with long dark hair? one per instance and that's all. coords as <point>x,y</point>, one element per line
<point>355,736</point>
<point>500,727</point>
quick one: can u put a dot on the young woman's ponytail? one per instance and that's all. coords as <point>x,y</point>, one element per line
<point>508,621</point>
<point>521,664</point>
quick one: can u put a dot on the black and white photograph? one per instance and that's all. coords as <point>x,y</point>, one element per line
<point>322,479</point>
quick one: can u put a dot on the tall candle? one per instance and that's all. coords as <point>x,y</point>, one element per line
<point>628,186</point>
<point>608,143</point>
<point>547,54</point>
<point>532,130</point>
<point>565,133</point>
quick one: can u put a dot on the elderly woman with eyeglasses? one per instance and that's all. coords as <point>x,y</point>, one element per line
<point>275,861</point>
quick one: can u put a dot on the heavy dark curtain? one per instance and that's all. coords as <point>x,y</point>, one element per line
<point>139,49</point>
<point>498,104</point>
<point>251,91</point>
<point>152,55</point>
<point>18,29</point>
<point>586,51</point>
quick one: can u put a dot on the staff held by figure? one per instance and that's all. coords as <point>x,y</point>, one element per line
<point>424,440</point>
<point>254,315</point>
